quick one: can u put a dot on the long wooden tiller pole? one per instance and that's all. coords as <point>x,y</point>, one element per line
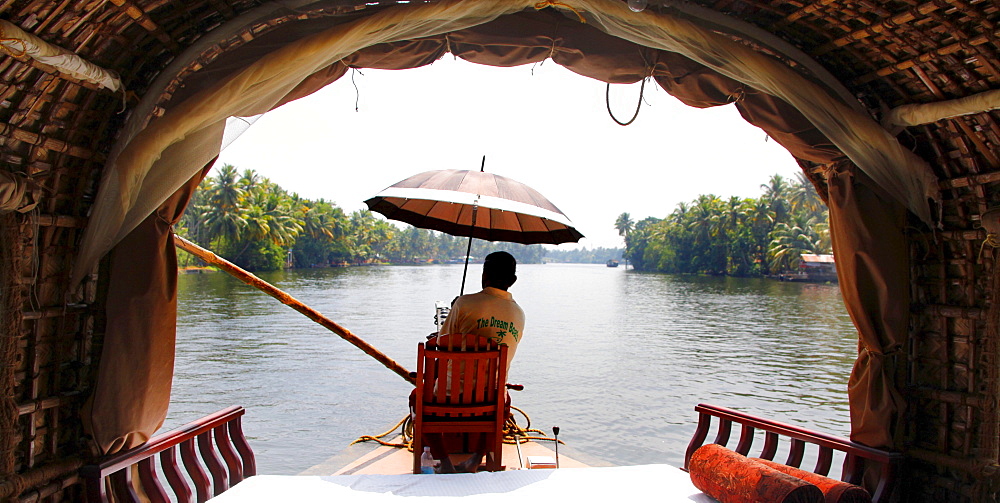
<point>291,302</point>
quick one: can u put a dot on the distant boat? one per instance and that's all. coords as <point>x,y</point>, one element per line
<point>813,268</point>
<point>612,263</point>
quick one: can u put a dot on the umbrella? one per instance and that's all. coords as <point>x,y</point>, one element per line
<point>475,204</point>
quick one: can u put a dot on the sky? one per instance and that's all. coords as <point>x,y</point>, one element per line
<point>541,125</point>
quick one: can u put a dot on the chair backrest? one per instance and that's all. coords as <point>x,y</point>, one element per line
<point>460,375</point>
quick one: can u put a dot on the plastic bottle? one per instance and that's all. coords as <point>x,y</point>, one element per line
<point>427,462</point>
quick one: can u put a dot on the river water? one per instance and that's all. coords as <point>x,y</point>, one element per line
<point>617,359</point>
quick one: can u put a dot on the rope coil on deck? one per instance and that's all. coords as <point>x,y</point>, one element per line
<point>512,432</point>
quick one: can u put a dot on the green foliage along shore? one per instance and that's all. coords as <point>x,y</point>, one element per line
<point>259,226</point>
<point>735,237</point>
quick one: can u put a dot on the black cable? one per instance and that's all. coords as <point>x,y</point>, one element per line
<point>607,101</point>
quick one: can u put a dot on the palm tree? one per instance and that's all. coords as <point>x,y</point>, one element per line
<point>705,223</point>
<point>804,198</point>
<point>625,224</point>
<point>776,193</point>
<point>223,219</point>
<point>791,240</point>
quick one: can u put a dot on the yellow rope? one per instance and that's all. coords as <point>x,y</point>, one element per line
<point>8,50</point>
<point>550,3</point>
<point>512,432</point>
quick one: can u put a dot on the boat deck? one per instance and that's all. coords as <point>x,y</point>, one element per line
<point>362,459</point>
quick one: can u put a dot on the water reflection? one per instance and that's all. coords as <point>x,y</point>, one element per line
<point>617,359</point>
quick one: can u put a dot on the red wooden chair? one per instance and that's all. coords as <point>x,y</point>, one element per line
<point>461,388</point>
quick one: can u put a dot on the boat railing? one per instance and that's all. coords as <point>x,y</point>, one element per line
<point>200,444</point>
<point>858,459</point>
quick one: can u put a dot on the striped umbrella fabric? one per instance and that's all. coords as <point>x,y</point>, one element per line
<point>505,209</point>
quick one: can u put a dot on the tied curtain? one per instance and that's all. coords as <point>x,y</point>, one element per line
<point>130,398</point>
<point>502,35</point>
<point>874,273</point>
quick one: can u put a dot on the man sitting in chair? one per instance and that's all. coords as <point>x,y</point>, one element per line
<point>491,314</point>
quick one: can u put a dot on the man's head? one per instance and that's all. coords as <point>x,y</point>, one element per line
<point>499,270</point>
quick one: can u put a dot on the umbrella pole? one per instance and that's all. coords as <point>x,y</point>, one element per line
<point>465,271</point>
<point>472,228</point>
<point>468,249</point>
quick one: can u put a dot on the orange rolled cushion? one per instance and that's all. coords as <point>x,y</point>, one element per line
<point>834,490</point>
<point>732,478</point>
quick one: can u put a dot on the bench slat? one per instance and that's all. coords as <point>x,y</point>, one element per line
<point>220,478</point>
<point>746,440</point>
<point>150,482</point>
<point>770,445</point>
<point>222,430</point>
<point>239,440</point>
<point>194,470</point>
<point>180,487</point>
<point>795,452</point>
<point>229,455</point>
<point>824,461</point>
<point>121,485</point>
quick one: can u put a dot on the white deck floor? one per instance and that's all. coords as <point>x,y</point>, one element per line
<point>661,483</point>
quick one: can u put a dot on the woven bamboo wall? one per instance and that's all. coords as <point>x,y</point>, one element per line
<point>55,130</point>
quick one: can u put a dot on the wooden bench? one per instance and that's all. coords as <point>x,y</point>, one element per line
<point>856,456</point>
<point>218,433</point>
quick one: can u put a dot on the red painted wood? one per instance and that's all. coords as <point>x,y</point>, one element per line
<point>770,445</point>
<point>212,460</point>
<point>813,437</point>
<point>824,461</point>
<point>475,403</point>
<point>700,434</point>
<point>853,468</point>
<point>795,452</point>
<point>198,475</point>
<point>725,428</point>
<point>228,419</point>
<point>171,470</point>
<point>243,447</point>
<point>746,440</point>
<point>229,455</point>
<point>121,485</point>
<point>150,481</point>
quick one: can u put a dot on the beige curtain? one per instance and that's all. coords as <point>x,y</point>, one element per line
<point>870,246</point>
<point>132,392</point>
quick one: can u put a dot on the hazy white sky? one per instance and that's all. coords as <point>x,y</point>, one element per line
<point>541,125</point>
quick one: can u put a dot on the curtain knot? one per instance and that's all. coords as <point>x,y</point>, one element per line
<point>881,354</point>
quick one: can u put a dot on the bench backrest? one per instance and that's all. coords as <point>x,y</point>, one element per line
<point>200,444</point>
<point>857,457</point>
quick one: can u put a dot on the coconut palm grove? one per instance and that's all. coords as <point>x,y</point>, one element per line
<point>260,226</point>
<point>734,236</point>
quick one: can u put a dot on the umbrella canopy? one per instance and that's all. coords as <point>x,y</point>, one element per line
<point>505,209</point>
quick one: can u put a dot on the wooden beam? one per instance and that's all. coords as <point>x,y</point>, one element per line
<point>291,302</point>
